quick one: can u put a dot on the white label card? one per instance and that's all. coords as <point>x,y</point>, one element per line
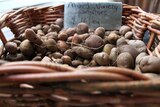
<point>95,14</point>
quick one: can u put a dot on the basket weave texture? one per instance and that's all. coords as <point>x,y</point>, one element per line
<point>37,84</point>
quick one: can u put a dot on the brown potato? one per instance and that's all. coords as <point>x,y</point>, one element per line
<point>124,29</point>
<point>62,36</point>
<point>18,42</point>
<point>70,31</point>
<point>52,35</point>
<point>76,39</point>
<point>56,55</point>
<point>83,52</point>
<point>40,33</point>
<point>139,45</point>
<point>31,36</point>
<point>129,35</point>
<point>121,41</point>
<point>54,28</point>
<point>15,57</point>
<point>150,64</point>
<point>100,31</point>
<point>112,38</point>
<point>45,29</point>
<point>38,27</point>
<point>114,54</point>
<point>76,63</point>
<point>70,53</point>
<point>84,36</point>
<point>66,60</point>
<point>11,47</point>
<point>27,48</point>
<point>139,57</point>
<point>102,59</point>
<point>62,46</point>
<point>59,21</point>
<point>51,45</point>
<point>82,28</point>
<point>107,48</point>
<point>125,60</point>
<point>41,49</point>
<point>130,49</point>
<point>86,62</point>
<point>94,41</point>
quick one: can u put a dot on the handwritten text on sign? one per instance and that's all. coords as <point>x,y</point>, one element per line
<point>104,14</point>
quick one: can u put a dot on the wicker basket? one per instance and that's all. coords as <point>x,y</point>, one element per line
<point>35,84</point>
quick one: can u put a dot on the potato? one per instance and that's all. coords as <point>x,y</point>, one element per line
<point>107,48</point>
<point>34,29</point>
<point>94,41</point>
<point>66,59</point>
<point>70,31</point>
<point>11,47</point>
<point>45,29</point>
<point>114,54</point>
<point>121,41</point>
<point>129,35</point>
<point>150,64</point>
<point>59,61</point>
<point>40,33</point>
<point>84,36</point>
<point>18,42</point>
<point>82,28</point>
<point>92,63</point>
<point>31,36</point>
<point>59,21</point>
<point>69,39</point>
<point>54,28</point>
<point>139,57</point>
<point>27,48</point>
<point>76,63</point>
<point>83,52</point>
<point>139,45</point>
<point>86,62</point>
<point>38,27</point>
<point>130,49</point>
<point>56,55</point>
<point>62,36</point>
<point>62,46</point>
<point>124,29</point>
<point>107,33</point>
<point>51,45</point>
<point>125,60</point>
<point>102,59</point>
<point>100,31</point>
<point>52,35</point>
<point>70,53</point>
<point>46,59</point>
<point>21,37</point>
<point>15,57</point>
<point>42,49</point>
<point>112,38</point>
<point>76,39</point>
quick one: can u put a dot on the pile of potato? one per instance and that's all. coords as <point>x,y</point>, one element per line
<point>80,47</point>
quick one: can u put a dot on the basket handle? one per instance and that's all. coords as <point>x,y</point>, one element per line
<point>2,24</point>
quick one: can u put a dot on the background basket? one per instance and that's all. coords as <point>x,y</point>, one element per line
<point>35,84</point>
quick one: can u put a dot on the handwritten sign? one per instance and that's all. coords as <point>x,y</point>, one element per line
<point>104,14</point>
